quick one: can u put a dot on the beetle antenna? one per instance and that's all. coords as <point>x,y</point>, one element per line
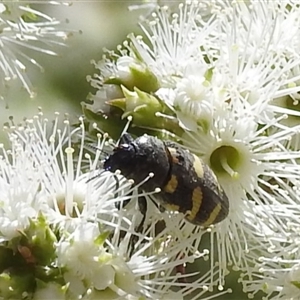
<point>96,176</point>
<point>96,148</point>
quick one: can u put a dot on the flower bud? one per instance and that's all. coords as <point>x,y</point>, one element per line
<point>132,73</point>
<point>147,111</point>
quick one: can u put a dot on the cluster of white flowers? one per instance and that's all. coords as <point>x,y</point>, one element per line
<point>223,76</point>
<point>23,27</point>
<point>66,231</point>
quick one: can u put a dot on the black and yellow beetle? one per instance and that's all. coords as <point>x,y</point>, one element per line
<point>186,183</point>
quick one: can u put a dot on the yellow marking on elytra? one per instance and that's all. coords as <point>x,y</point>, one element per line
<point>198,166</point>
<point>173,153</point>
<point>213,215</point>
<point>172,207</point>
<point>197,201</point>
<point>171,186</point>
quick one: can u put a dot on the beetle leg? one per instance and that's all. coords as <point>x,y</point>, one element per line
<point>142,203</point>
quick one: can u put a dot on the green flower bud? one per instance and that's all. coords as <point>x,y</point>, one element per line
<point>134,74</point>
<point>36,243</point>
<point>145,110</point>
<point>43,240</point>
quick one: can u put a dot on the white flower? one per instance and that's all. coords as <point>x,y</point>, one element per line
<point>85,259</point>
<point>79,251</point>
<point>19,184</point>
<point>247,164</point>
<point>23,26</point>
<point>176,43</point>
<point>277,277</point>
<point>276,271</point>
<point>256,69</point>
<point>195,98</point>
<point>201,63</point>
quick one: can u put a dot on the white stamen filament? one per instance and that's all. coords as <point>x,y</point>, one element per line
<point>69,176</point>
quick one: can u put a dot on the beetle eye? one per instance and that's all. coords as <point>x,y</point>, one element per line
<point>123,147</point>
<point>128,147</point>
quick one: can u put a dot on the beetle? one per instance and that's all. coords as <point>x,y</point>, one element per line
<point>186,183</point>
